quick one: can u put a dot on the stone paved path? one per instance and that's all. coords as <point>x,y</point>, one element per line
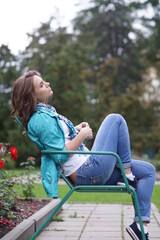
<point>97,222</point>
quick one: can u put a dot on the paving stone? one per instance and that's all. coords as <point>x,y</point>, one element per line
<point>102,238</point>
<point>66,223</point>
<point>57,238</point>
<point>107,235</point>
<point>103,224</point>
<point>64,228</point>
<point>56,234</point>
<point>102,228</point>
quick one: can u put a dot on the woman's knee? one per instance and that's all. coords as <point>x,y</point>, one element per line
<point>152,170</point>
<point>116,116</point>
<point>149,170</point>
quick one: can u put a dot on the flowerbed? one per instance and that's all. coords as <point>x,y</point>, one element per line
<point>14,210</point>
<point>22,210</point>
<point>7,194</point>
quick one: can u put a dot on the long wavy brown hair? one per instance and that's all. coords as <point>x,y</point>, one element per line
<point>23,97</point>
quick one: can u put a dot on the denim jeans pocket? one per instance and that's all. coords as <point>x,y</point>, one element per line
<point>91,173</point>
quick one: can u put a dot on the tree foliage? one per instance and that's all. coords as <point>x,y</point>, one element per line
<point>117,68</point>
<point>103,66</point>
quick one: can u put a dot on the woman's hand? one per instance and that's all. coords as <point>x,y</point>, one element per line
<point>81,125</point>
<point>84,133</point>
<point>87,132</point>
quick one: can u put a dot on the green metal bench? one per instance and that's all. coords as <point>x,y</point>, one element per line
<point>90,188</point>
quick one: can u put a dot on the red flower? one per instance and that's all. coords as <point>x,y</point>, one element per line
<point>1,221</point>
<point>13,151</point>
<point>10,224</point>
<point>33,207</point>
<point>0,146</point>
<point>1,164</point>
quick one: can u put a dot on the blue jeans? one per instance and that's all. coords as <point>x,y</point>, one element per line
<point>104,169</point>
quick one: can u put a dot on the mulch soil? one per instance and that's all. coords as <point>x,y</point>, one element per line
<point>22,210</point>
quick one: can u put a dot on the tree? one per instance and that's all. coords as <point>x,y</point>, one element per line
<point>9,131</point>
<point>120,57</point>
<point>108,26</point>
<point>8,74</point>
<point>116,66</point>
<point>99,68</point>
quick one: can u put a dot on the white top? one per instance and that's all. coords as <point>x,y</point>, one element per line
<point>76,160</point>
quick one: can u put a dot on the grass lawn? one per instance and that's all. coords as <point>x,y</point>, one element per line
<point>92,197</point>
<point>19,172</point>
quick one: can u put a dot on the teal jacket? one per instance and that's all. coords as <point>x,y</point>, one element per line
<point>45,130</point>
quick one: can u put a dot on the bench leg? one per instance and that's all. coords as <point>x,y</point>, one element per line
<point>136,204</point>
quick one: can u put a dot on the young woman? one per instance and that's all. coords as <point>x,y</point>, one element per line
<point>52,131</point>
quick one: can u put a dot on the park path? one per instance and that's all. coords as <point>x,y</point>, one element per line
<point>96,221</point>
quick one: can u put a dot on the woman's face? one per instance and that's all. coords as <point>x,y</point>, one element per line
<point>42,89</point>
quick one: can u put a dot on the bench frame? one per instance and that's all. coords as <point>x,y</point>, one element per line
<point>93,188</point>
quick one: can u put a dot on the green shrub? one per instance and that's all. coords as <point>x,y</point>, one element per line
<point>10,164</point>
<point>156,164</point>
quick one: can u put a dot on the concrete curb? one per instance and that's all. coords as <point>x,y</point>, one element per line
<point>28,227</point>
